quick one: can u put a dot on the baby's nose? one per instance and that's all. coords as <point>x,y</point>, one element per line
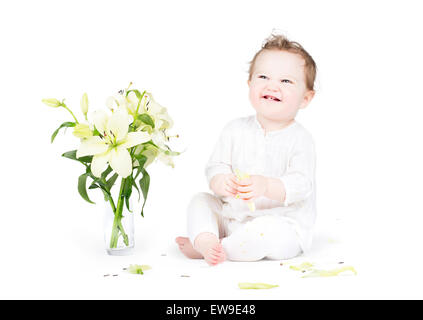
<point>273,85</point>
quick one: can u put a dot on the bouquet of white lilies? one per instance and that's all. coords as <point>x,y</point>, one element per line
<point>119,141</point>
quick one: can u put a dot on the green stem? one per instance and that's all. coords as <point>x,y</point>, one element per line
<point>109,193</point>
<point>139,102</point>
<point>112,204</point>
<point>117,224</point>
<point>64,106</point>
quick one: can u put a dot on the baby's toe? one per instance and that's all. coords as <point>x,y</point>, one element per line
<point>181,240</point>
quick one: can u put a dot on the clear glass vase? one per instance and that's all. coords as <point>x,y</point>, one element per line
<point>119,230</point>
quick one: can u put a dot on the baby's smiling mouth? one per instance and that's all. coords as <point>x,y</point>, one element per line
<point>272,98</point>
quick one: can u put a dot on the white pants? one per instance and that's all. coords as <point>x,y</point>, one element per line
<point>266,236</point>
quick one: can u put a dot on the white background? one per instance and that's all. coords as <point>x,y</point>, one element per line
<point>193,56</point>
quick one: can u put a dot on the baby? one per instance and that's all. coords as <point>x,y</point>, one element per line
<point>262,170</point>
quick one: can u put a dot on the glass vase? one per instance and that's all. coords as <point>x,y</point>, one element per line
<point>119,229</point>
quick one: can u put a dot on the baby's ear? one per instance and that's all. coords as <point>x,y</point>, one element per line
<point>308,96</point>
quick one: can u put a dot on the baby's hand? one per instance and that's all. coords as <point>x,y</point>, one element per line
<point>251,188</point>
<point>224,185</point>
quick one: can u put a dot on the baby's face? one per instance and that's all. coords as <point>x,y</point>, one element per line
<point>277,85</point>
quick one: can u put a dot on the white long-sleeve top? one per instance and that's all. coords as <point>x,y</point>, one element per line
<point>287,154</point>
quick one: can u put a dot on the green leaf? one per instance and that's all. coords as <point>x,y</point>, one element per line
<point>63,125</point>
<point>72,155</point>
<point>93,186</point>
<point>144,184</point>
<point>100,182</point>
<point>110,183</point>
<point>146,119</point>
<point>127,190</point>
<point>141,162</point>
<point>82,187</point>
<point>141,159</point>
<point>136,187</point>
<point>106,172</point>
<point>106,196</point>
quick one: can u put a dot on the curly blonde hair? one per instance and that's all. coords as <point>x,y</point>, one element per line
<point>280,42</point>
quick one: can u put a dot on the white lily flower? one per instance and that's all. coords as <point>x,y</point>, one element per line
<point>159,113</point>
<point>159,139</point>
<point>112,144</point>
<point>167,121</point>
<point>166,159</point>
<point>120,100</point>
<point>111,103</point>
<point>149,151</point>
<point>132,103</point>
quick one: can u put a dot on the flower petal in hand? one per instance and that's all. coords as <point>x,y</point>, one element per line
<point>245,192</point>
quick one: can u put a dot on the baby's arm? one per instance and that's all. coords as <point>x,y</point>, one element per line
<point>298,179</point>
<point>275,189</point>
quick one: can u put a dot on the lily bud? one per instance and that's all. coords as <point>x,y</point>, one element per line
<point>84,104</point>
<point>82,130</point>
<point>54,103</point>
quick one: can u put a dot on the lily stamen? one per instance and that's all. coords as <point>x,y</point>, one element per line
<point>175,136</point>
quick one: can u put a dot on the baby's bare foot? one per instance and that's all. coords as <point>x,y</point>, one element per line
<point>210,248</point>
<point>215,255</point>
<point>187,249</point>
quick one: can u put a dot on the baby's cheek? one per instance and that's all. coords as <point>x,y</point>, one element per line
<point>254,99</point>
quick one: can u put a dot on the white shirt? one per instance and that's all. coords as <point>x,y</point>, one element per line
<point>287,154</point>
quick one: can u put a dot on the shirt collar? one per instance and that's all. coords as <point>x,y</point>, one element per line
<point>274,132</point>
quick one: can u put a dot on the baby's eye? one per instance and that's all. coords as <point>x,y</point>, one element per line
<point>286,81</point>
<point>262,76</point>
